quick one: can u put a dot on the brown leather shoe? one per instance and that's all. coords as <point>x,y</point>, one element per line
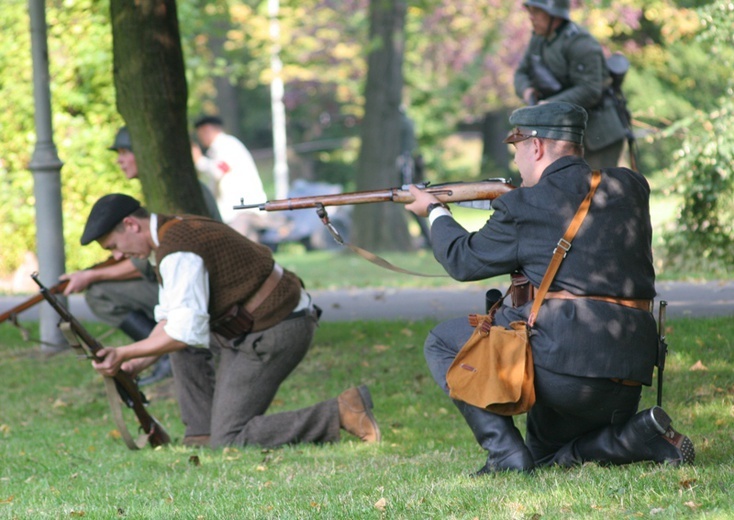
<point>355,414</point>
<point>196,440</point>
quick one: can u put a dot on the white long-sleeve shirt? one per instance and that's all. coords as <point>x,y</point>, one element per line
<point>232,174</point>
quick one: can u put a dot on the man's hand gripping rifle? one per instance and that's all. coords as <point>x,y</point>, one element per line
<point>126,387</point>
<point>473,194</point>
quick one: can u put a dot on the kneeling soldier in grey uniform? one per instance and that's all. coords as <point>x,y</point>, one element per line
<point>595,340</point>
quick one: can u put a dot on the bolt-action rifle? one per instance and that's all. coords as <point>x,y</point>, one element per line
<point>474,194</point>
<point>54,289</point>
<point>122,382</point>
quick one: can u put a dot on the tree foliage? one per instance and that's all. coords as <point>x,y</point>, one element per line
<point>458,63</point>
<point>702,173</point>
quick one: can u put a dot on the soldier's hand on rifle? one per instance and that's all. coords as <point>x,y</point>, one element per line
<point>110,363</point>
<point>78,281</point>
<point>422,199</point>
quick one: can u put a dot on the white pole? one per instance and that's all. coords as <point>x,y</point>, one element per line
<point>280,155</point>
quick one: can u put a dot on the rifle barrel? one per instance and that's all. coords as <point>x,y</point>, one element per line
<point>54,289</point>
<point>449,192</point>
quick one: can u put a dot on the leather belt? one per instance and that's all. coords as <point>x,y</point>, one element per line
<point>643,305</point>
<point>238,319</point>
<point>625,382</point>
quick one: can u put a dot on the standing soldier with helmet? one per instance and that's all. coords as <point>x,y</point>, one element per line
<point>563,62</point>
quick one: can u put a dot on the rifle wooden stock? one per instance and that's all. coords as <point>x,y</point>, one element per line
<point>127,388</point>
<point>449,192</point>
<point>55,289</point>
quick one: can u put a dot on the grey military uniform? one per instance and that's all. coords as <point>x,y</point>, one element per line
<point>576,60</point>
<point>580,347</point>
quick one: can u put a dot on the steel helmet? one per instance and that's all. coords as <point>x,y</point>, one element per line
<point>122,140</point>
<point>559,8</point>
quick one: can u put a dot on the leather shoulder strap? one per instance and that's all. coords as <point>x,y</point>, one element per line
<point>563,246</point>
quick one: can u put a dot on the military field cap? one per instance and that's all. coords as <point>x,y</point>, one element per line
<point>556,120</point>
<point>106,213</point>
<point>122,140</point>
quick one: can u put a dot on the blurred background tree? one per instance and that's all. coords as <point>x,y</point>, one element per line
<point>458,63</point>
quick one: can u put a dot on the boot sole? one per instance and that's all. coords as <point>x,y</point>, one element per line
<point>364,394</point>
<point>662,423</point>
<point>660,419</point>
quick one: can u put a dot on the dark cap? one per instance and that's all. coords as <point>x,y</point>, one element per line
<point>122,140</point>
<point>208,120</point>
<point>556,120</point>
<point>106,213</point>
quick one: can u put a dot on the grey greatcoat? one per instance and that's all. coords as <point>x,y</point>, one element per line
<point>577,62</point>
<point>610,256</point>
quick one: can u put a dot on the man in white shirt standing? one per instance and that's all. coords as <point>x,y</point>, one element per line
<point>230,171</point>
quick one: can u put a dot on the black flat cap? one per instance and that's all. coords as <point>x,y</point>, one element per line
<point>122,140</point>
<point>106,213</point>
<point>556,120</point>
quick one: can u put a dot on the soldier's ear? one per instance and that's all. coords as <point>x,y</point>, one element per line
<point>131,224</point>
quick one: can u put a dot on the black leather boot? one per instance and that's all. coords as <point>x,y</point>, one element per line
<point>499,436</point>
<point>138,326</point>
<point>648,435</point>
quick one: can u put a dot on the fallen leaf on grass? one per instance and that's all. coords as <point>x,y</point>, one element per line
<point>7,500</point>
<point>381,504</point>
<point>698,366</point>
<point>381,348</point>
<point>688,483</point>
<point>692,505</point>
<point>194,460</point>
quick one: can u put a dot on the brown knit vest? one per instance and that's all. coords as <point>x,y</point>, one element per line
<point>237,267</point>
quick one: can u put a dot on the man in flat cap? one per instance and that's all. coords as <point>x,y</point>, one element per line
<point>220,291</point>
<point>123,295</point>
<point>594,341</point>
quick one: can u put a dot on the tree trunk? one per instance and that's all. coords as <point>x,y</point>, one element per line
<point>150,82</point>
<point>382,226</point>
<point>495,154</point>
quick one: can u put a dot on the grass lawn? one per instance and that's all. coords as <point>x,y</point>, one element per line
<point>62,457</point>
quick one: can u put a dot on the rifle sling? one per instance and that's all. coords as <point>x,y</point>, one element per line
<point>368,255</point>
<point>113,399</point>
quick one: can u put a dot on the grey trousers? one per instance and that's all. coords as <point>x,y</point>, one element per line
<point>567,407</point>
<point>111,302</point>
<point>228,399</point>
